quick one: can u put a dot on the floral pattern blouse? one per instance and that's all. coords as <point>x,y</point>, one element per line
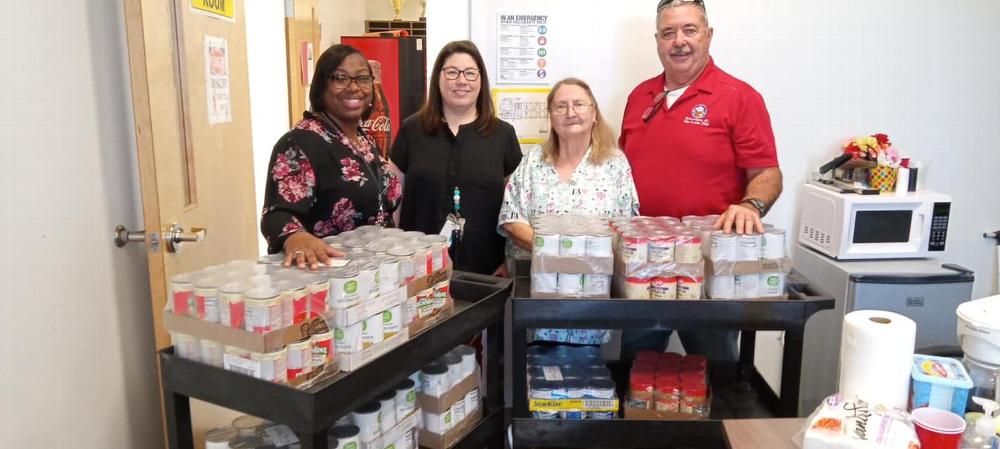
<point>320,181</point>
<point>604,190</point>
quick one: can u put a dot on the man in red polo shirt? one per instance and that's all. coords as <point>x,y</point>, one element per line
<point>699,142</point>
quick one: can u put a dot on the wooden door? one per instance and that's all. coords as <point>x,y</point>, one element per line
<point>302,34</point>
<point>192,116</point>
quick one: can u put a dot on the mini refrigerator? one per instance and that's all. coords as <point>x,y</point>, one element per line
<point>924,290</point>
<point>403,67</point>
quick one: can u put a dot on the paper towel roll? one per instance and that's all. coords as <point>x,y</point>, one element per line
<point>876,352</point>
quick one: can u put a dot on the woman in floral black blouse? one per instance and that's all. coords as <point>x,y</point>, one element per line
<point>326,175</point>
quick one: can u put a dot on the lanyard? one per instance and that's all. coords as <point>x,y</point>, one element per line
<point>457,198</point>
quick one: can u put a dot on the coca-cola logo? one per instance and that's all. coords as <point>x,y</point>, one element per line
<point>378,124</point>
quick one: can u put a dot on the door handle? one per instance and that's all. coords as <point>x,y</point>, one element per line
<point>123,237</point>
<point>175,236</point>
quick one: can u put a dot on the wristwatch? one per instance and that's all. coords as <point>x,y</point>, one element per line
<point>757,204</point>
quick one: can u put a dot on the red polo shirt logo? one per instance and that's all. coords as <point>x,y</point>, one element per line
<point>699,116</point>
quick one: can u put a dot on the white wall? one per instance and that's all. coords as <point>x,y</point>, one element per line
<point>265,27</point>
<point>447,20</point>
<point>922,71</point>
<point>76,340</point>
<point>342,18</point>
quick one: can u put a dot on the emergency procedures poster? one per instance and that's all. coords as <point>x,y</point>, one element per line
<point>522,48</point>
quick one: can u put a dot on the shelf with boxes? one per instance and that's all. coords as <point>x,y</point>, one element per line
<point>478,303</point>
<point>662,276</point>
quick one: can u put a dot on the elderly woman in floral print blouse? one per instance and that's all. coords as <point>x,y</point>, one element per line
<point>577,171</point>
<point>326,175</point>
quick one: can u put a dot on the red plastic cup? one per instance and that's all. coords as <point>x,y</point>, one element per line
<point>938,429</point>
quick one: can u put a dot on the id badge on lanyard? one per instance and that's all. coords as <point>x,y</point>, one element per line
<point>454,224</point>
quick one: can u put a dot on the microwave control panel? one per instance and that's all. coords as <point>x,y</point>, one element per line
<point>939,226</point>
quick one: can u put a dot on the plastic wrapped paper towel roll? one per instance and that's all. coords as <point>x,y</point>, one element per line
<point>876,352</point>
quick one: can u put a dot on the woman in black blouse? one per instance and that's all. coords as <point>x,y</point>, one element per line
<point>326,175</point>
<point>455,155</point>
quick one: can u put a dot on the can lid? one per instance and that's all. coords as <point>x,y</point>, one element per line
<point>602,384</point>
<point>261,293</point>
<point>183,278</point>
<point>345,431</point>
<point>434,369</point>
<point>387,395</point>
<point>371,407</point>
<point>348,271</point>
<point>574,384</point>
<point>406,384</point>
<point>221,435</point>
<point>231,287</point>
<point>211,281</point>
<point>247,422</point>
<point>400,251</point>
<point>451,359</point>
<point>541,384</point>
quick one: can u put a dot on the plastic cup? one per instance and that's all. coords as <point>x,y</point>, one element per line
<point>938,429</point>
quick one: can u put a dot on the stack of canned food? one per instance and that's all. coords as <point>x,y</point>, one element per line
<point>376,419</point>
<point>251,432</point>
<point>564,372</point>
<point>669,382</point>
<point>661,257</point>
<point>771,245</point>
<point>263,297</point>
<point>441,377</point>
<point>586,239</point>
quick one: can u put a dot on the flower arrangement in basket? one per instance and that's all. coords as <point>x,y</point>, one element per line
<point>883,159</point>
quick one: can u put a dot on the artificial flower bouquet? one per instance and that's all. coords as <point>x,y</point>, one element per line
<point>883,160</point>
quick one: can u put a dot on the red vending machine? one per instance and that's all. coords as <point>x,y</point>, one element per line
<point>400,66</point>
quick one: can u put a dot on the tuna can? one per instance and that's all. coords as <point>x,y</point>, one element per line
<point>575,389</point>
<point>601,388</point>
<point>543,389</point>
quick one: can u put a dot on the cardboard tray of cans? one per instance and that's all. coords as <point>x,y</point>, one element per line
<point>389,437</point>
<point>352,361</point>
<point>251,341</point>
<point>353,314</point>
<point>455,434</point>
<point>731,267</point>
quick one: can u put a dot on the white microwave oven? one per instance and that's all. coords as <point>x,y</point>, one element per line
<point>850,226</point>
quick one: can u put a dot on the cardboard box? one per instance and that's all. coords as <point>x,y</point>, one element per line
<point>351,362</point>
<point>346,316</point>
<point>419,324</point>
<point>251,341</point>
<point>583,265</point>
<point>389,436</point>
<point>570,405</point>
<point>730,268</point>
<point>423,283</point>
<point>439,405</point>
<point>452,436</point>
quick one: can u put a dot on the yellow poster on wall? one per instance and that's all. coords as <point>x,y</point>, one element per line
<point>526,109</point>
<point>220,9</point>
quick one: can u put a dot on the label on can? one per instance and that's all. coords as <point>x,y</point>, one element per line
<point>689,287</point>
<point>663,288</point>
<point>240,365</point>
<point>661,248</point>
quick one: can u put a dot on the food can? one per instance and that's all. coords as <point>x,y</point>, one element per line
<point>472,400</point>
<point>723,246</point>
<point>722,287</point>
<point>367,279</point>
<point>773,244</point>
<point>596,285</point>
<point>663,287</point>
<point>273,365</point>
<point>388,274</point>
<point>748,247</point>
<point>294,301</point>
<point>689,287</point>
<point>635,247</point>
<point>598,243</point>
<point>348,339</point>
<point>322,348</point>
<point>661,247</point>
<point>543,389</point>
<point>405,256</point>
<point>206,298</point>
<point>434,380</point>
<point>186,346</point>
<point>319,292</point>
<point>572,245</point>
<point>772,284</point>
<point>211,353</point>
<point>421,258</point>
<point>181,292</point>
<point>263,310</point>
<point>546,243</point>
<point>387,408</point>
<point>601,388</point>
<point>231,307</point>
<point>575,389</point>
<point>637,287</point>
<point>345,286</point>
<point>392,321</point>
<point>406,397</point>
<point>371,331</point>
<point>688,248</point>
<point>299,358</point>
<point>544,282</point>
<point>747,285</point>
<point>570,284</point>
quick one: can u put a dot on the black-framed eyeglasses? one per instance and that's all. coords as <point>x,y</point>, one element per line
<point>451,73</point>
<point>663,3</point>
<point>657,104</point>
<point>342,80</point>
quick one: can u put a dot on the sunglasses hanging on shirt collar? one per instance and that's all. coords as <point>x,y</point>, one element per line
<point>657,104</point>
